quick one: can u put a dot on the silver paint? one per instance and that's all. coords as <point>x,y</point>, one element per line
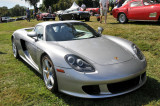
<point>99,52</point>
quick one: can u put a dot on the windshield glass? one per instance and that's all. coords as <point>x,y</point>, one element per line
<point>69,31</point>
<point>149,2</point>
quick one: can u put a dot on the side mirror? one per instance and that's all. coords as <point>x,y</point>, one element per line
<point>100,30</point>
<point>32,34</point>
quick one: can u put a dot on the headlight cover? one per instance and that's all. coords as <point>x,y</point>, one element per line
<point>79,64</point>
<point>138,52</point>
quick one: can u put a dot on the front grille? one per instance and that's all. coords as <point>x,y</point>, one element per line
<point>115,88</point>
<point>91,89</point>
<point>123,86</point>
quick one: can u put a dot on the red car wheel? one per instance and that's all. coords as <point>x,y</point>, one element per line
<point>122,18</point>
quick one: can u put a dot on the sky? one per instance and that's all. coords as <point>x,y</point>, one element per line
<point>12,3</point>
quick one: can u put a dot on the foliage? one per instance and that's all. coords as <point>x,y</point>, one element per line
<point>48,3</point>
<point>33,3</point>
<point>17,10</point>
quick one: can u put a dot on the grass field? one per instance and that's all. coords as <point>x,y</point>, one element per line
<point>22,85</point>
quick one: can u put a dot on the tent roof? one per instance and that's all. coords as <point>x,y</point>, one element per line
<point>74,6</point>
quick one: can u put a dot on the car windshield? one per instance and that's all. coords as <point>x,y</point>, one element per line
<point>69,31</point>
<point>149,2</point>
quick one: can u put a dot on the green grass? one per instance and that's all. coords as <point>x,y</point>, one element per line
<point>22,85</point>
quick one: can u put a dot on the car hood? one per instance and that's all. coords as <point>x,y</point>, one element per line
<point>98,50</point>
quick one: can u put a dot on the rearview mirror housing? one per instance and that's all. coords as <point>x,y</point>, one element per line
<point>100,30</point>
<point>32,34</point>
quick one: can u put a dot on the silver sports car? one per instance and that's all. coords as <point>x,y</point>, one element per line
<point>75,59</point>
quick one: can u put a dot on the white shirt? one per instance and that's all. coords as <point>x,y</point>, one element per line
<point>104,3</point>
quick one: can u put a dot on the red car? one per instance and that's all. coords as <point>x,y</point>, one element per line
<point>92,11</point>
<point>45,16</point>
<point>138,10</point>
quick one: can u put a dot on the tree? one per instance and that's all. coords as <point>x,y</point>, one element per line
<point>48,3</point>
<point>33,3</point>
<point>3,11</point>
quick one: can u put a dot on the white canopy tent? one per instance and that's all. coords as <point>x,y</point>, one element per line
<point>74,7</point>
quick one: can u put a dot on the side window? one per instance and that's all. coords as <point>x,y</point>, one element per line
<point>136,4</point>
<point>39,31</point>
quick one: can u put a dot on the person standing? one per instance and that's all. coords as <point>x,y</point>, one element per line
<point>103,9</point>
<point>50,9</point>
<point>34,14</point>
<point>28,14</point>
<point>83,6</point>
<point>120,2</point>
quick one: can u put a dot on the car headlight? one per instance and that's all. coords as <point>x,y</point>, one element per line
<point>138,52</point>
<point>79,64</point>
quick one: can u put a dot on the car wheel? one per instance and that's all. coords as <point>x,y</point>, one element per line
<point>60,18</point>
<point>122,18</point>
<point>98,19</point>
<point>15,51</point>
<point>37,19</point>
<point>49,74</point>
<point>87,19</point>
<point>73,17</point>
<point>91,12</point>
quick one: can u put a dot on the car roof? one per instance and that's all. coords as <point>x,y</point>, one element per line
<point>58,22</point>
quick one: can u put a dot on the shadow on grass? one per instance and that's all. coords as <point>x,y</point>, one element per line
<point>2,53</point>
<point>31,68</point>
<point>141,23</point>
<point>148,93</point>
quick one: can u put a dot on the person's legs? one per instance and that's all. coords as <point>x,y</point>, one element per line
<point>105,19</point>
<point>105,14</point>
<point>101,15</point>
<point>100,19</point>
<point>29,18</point>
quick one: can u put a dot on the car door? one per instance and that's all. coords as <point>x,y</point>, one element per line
<point>136,11</point>
<point>151,12</point>
<point>32,46</point>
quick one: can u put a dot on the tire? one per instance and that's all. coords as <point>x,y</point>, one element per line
<point>73,17</point>
<point>98,19</point>
<point>14,48</point>
<point>122,18</point>
<point>60,18</point>
<point>91,12</point>
<point>37,19</point>
<point>49,75</point>
<point>87,19</point>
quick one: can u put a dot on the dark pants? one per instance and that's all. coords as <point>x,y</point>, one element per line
<point>28,18</point>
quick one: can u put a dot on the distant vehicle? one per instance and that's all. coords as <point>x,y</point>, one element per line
<point>74,15</point>
<point>45,16</point>
<point>92,11</point>
<point>7,19</point>
<point>21,18</point>
<point>137,10</point>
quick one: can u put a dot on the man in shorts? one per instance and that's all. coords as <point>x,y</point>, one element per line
<point>103,9</point>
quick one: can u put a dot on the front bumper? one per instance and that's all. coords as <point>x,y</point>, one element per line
<point>122,78</point>
<point>49,18</point>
